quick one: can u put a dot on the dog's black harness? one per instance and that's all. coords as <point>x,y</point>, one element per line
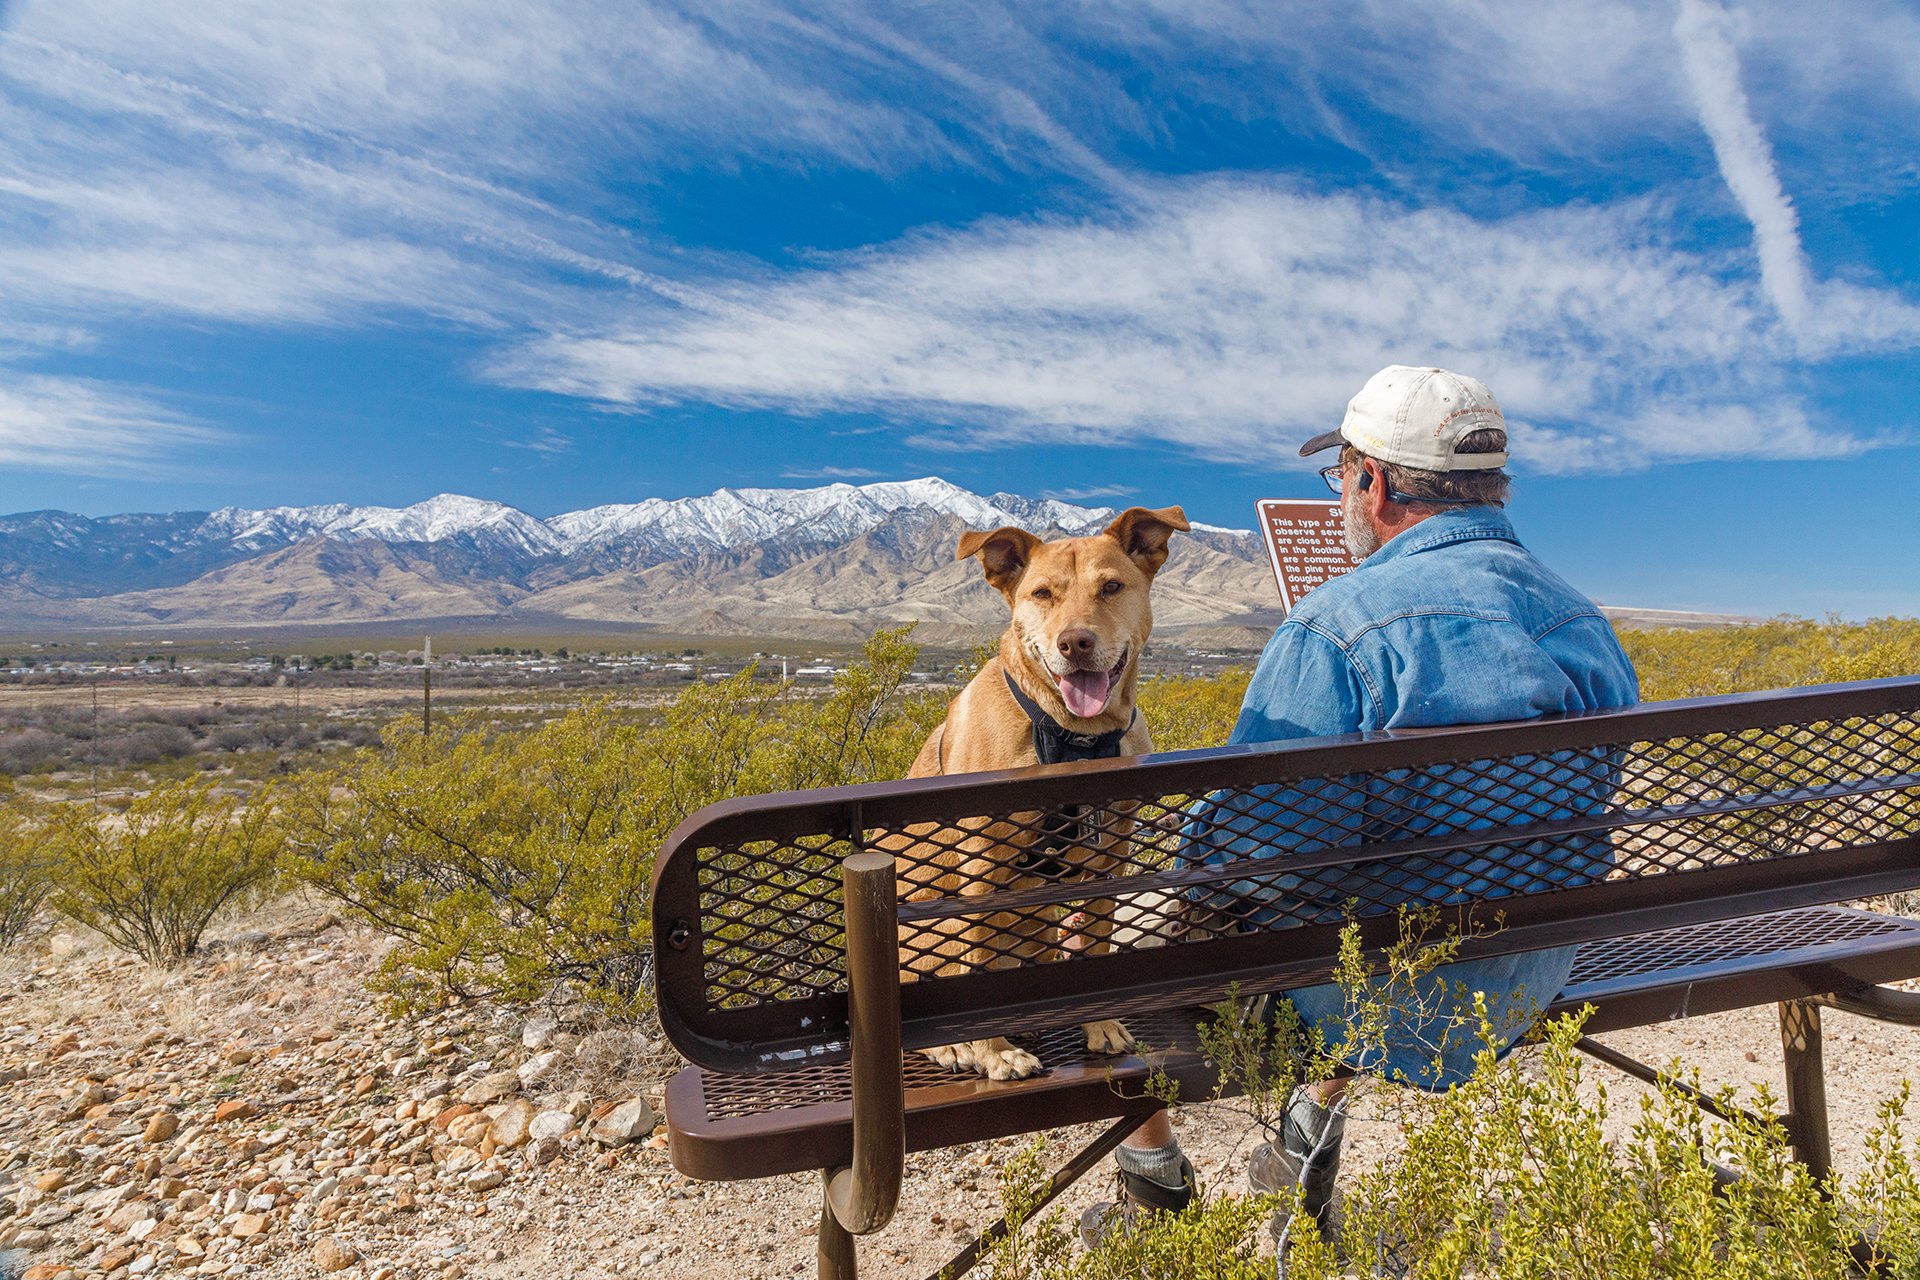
<point>1054,743</point>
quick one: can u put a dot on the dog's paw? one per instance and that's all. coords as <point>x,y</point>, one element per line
<point>998,1059</point>
<point>1109,1036</point>
<point>954,1057</point>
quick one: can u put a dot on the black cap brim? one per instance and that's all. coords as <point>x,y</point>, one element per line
<point>1327,441</point>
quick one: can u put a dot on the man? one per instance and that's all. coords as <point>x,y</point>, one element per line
<point>1446,620</point>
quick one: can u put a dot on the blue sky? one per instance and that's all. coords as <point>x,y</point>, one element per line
<point>571,254</point>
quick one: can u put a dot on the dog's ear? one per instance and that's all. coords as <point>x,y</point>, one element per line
<point>1143,534</point>
<point>1004,555</point>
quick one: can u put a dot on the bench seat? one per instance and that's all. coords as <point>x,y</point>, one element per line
<point>726,1127</point>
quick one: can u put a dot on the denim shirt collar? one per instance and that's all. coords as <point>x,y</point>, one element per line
<point>1444,529</point>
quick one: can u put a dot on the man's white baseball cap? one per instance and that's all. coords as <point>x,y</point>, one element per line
<point>1415,417</point>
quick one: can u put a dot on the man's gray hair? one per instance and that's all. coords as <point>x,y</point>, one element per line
<point>1468,488</point>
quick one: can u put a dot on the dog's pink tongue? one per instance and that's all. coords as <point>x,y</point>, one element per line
<point>1084,692</point>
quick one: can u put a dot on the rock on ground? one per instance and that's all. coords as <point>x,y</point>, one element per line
<point>382,1173</point>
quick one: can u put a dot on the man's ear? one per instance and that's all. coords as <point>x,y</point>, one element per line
<point>1004,555</point>
<point>1143,534</point>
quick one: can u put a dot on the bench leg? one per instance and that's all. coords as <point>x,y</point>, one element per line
<point>1806,1086</point>
<point>1068,1174</point>
<point>836,1253</point>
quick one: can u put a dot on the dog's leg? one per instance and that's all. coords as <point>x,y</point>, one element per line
<point>996,1058</point>
<point>1086,930</point>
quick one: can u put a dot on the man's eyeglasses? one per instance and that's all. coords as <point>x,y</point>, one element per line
<point>1336,478</point>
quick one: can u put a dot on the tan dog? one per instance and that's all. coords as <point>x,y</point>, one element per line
<point>1081,619</point>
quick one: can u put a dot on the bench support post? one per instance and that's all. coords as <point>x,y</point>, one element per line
<point>860,1199</point>
<point>835,1255</point>
<point>1882,1004</point>
<point>1069,1174</point>
<point>1806,1086</point>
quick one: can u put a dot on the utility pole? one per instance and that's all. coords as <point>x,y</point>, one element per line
<point>426,694</point>
<point>95,744</point>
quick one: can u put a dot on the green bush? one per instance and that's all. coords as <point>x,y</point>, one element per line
<point>1780,653</point>
<point>506,863</point>
<point>27,864</point>
<point>1509,1175</point>
<point>154,877</point>
<point>1185,712</point>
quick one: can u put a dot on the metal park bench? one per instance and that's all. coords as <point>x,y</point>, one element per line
<point>1710,837</point>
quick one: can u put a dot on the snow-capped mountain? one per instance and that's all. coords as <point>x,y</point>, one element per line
<point>494,525</point>
<point>720,521</point>
<point>858,554</point>
<point>833,513</point>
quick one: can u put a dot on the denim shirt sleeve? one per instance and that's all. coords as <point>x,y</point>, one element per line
<point>1305,687</point>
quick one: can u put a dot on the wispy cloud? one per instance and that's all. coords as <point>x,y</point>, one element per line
<point>81,427</point>
<point>543,440</point>
<point>1231,317</point>
<point>1082,495</point>
<point>829,473</point>
<point>1704,31</point>
<point>490,165</point>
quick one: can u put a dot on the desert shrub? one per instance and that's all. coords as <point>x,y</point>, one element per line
<point>153,878</point>
<point>1185,712</point>
<point>31,749</point>
<point>505,863</point>
<point>232,737</point>
<point>1780,653</point>
<point>143,746</point>
<point>1509,1174</point>
<point>26,871</point>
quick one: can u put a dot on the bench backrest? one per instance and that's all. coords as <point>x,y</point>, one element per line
<point>1238,866</point>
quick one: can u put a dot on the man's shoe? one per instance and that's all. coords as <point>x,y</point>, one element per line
<point>1138,1194</point>
<point>1307,1156</point>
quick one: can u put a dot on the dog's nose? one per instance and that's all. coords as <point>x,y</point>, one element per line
<point>1076,643</point>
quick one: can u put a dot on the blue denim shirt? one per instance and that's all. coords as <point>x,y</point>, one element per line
<point>1451,622</point>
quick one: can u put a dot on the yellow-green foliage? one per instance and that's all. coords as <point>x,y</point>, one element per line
<point>1510,1175</point>
<point>26,869</point>
<point>1185,712</point>
<point>507,862</point>
<point>153,877</point>
<point>1781,653</point>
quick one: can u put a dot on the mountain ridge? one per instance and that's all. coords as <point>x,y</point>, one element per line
<point>858,555</point>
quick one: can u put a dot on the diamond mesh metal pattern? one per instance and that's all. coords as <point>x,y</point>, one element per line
<point>1010,888</point>
<point>1725,941</point>
<point>1644,955</point>
<point>731,1096</point>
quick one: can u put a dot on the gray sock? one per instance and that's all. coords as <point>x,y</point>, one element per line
<point>1164,1165</point>
<point>1307,1120</point>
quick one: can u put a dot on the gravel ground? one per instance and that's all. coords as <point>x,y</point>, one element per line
<point>255,1113</point>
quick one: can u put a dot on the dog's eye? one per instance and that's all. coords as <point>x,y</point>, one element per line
<point>1043,593</point>
<point>1112,588</point>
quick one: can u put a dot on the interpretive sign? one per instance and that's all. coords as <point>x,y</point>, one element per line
<point>1306,543</point>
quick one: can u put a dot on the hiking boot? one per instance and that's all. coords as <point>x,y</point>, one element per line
<point>1138,1194</point>
<point>1294,1161</point>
